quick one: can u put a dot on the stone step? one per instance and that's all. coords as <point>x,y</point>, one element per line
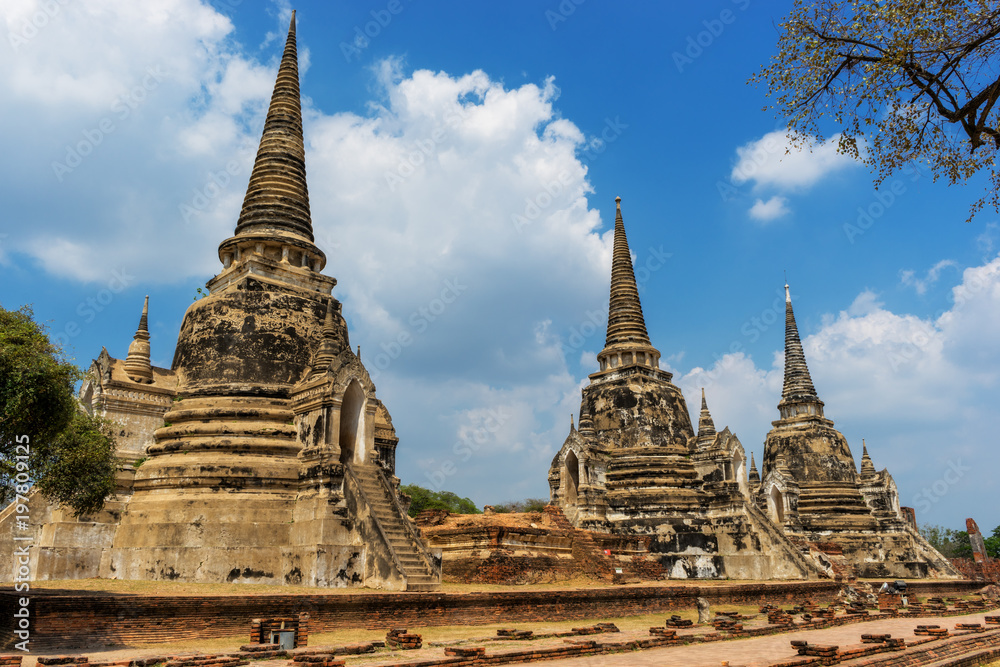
<point>414,570</point>
<point>422,588</point>
<point>398,540</point>
<point>393,527</point>
<point>411,558</point>
<point>408,552</point>
<point>402,545</point>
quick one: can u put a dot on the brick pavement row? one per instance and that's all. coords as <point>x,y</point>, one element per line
<point>773,649</point>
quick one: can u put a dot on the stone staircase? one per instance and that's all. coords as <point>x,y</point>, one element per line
<point>419,577</point>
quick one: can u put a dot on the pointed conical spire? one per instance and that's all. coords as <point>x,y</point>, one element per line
<point>572,427</point>
<point>867,467</point>
<point>625,321</point>
<point>798,386</point>
<point>706,427</point>
<point>277,198</point>
<point>137,364</point>
<point>754,475</point>
<point>627,341</point>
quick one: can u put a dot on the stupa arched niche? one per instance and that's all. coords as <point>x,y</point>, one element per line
<point>352,424</point>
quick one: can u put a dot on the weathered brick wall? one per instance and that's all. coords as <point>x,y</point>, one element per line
<point>120,619</point>
<point>501,567</point>
<point>972,570</point>
<point>932,588</point>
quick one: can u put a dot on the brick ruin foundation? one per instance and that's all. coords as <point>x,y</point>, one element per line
<point>261,629</point>
<point>981,571</point>
<point>58,616</point>
<point>534,547</point>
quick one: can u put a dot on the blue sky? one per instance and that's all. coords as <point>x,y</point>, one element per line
<point>463,161</point>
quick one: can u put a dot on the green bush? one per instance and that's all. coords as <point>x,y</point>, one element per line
<point>424,499</point>
<point>521,506</point>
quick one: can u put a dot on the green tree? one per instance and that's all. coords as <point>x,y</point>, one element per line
<point>520,506</point>
<point>993,543</point>
<point>424,499</point>
<point>904,81</point>
<point>71,457</point>
<point>950,543</point>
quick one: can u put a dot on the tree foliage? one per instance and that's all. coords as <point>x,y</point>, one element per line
<point>72,455</point>
<point>84,450</point>
<point>424,499</point>
<point>950,543</point>
<point>904,81</point>
<point>993,543</point>
<point>956,544</point>
<point>526,505</point>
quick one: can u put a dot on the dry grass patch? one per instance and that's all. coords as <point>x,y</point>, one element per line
<point>456,633</point>
<point>448,633</point>
<point>230,644</point>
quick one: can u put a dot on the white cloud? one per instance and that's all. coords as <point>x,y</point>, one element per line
<point>772,209</point>
<point>777,162</point>
<point>987,240</point>
<point>909,277</point>
<point>864,303</point>
<point>472,199</point>
<point>124,114</point>
<point>738,394</point>
<point>774,161</point>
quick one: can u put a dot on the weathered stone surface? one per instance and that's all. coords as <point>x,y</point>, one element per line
<point>704,613</point>
<point>636,467</point>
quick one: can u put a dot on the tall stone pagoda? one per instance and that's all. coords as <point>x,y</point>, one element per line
<point>636,467</point>
<point>265,454</point>
<point>813,490</point>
